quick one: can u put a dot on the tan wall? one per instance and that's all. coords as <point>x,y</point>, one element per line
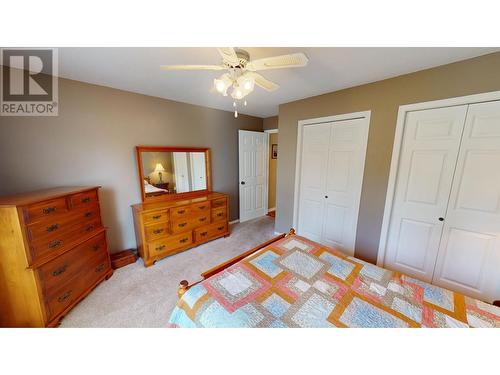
<point>92,142</point>
<point>383,98</point>
<point>273,163</point>
<point>270,123</point>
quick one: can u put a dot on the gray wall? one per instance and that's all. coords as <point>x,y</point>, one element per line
<point>92,142</point>
<point>383,98</point>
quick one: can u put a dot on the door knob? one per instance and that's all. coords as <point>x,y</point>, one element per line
<point>326,196</point>
<point>441,219</point>
<point>243,182</point>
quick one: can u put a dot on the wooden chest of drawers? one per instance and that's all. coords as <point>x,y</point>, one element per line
<point>53,252</point>
<point>168,227</point>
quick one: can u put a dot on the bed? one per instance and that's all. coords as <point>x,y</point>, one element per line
<point>291,281</point>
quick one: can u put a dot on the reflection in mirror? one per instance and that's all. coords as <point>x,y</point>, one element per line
<point>173,172</point>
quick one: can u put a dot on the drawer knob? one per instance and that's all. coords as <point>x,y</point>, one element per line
<point>65,296</point>
<point>159,248</point>
<point>48,210</point>
<point>220,214</point>
<point>85,199</point>
<point>220,228</point>
<point>54,244</point>
<point>156,217</point>
<point>203,234</point>
<point>96,247</point>
<point>158,231</point>
<point>182,225</point>
<point>181,212</point>
<point>202,207</point>
<point>53,227</point>
<point>90,227</point>
<point>88,214</point>
<point>59,270</point>
<point>202,218</point>
<point>99,268</point>
<point>183,240</point>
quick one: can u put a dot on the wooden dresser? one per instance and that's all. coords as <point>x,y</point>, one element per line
<point>53,252</point>
<point>167,227</point>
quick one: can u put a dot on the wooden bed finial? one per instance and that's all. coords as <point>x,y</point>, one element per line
<point>183,287</point>
<point>292,232</point>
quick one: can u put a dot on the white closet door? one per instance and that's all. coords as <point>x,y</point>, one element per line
<point>469,255</point>
<point>253,164</point>
<point>315,143</point>
<point>428,158</point>
<point>344,179</point>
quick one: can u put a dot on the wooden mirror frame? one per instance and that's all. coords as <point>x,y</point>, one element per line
<point>166,197</point>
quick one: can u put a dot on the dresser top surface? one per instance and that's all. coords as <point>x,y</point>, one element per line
<point>177,202</point>
<point>41,195</point>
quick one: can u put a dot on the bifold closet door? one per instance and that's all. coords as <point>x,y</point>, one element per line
<point>428,156</point>
<point>469,254</point>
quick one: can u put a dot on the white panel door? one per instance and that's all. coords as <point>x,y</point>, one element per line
<point>315,143</point>
<point>344,179</point>
<point>469,255</point>
<point>429,151</point>
<point>253,164</point>
<point>198,170</point>
<point>181,172</point>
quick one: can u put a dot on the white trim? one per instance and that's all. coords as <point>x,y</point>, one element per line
<point>366,115</point>
<point>278,233</point>
<point>234,222</point>
<point>271,209</point>
<point>271,131</point>
<point>398,139</point>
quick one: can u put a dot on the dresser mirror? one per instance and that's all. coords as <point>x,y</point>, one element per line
<point>169,172</point>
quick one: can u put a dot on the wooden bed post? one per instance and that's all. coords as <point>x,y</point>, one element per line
<point>183,287</point>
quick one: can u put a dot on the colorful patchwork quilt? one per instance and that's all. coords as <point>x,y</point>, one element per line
<point>295,282</point>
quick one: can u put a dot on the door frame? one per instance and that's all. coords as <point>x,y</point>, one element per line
<point>366,115</point>
<point>396,152</point>
<point>270,131</point>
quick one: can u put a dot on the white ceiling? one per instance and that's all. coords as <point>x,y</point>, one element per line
<point>329,69</point>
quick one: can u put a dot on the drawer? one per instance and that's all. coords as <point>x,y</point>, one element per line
<point>154,231</point>
<point>221,202</point>
<point>219,214</point>
<point>180,212</point>
<point>155,216</point>
<point>170,244</point>
<point>54,226</point>
<point>183,225</point>
<point>45,209</point>
<point>83,199</point>
<point>47,245</point>
<point>209,231</point>
<point>65,267</point>
<point>70,291</point>
<point>200,207</point>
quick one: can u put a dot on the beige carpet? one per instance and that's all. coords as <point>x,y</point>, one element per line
<point>136,296</point>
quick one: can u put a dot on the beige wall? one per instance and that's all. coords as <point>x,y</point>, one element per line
<point>270,123</point>
<point>92,142</point>
<point>383,98</point>
<point>273,163</point>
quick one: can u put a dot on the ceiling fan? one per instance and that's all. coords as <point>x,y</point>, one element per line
<point>241,72</point>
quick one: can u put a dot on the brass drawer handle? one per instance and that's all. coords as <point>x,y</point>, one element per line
<point>53,227</point>
<point>54,244</point>
<point>181,212</point>
<point>159,248</point>
<point>65,296</point>
<point>88,214</point>
<point>96,247</point>
<point>181,225</point>
<point>202,219</point>
<point>158,231</point>
<point>183,240</point>
<point>220,214</point>
<point>90,227</point>
<point>48,210</point>
<point>202,207</point>
<point>203,234</point>
<point>220,228</point>
<point>59,270</point>
<point>156,217</point>
<point>100,268</point>
<point>86,200</point>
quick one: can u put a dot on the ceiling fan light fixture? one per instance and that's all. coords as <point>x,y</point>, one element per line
<point>247,83</point>
<point>222,83</point>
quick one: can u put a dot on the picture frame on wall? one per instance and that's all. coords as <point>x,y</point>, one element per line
<point>274,151</point>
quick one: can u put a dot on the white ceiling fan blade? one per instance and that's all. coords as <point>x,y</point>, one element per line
<point>263,82</point>
<point>294,60</point>
<point>192,67</point>
<point>229,55</point>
